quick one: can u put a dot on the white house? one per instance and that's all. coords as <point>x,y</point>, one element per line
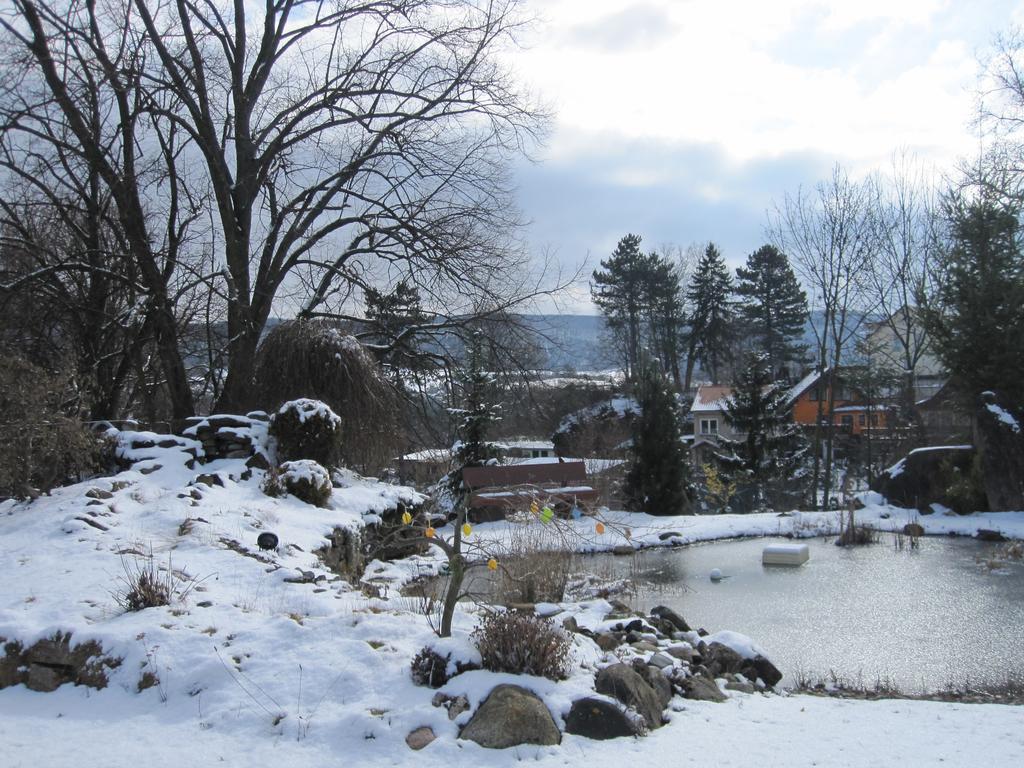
<point>709,422</point>
<point>887,339</point>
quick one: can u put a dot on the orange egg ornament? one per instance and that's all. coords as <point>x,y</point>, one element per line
<point>430,533</point>
<point>599,527</point>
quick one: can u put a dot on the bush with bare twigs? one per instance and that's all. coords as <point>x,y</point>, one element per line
<point>523,644</point>
<point>144,584</point>
<point>429,668</point>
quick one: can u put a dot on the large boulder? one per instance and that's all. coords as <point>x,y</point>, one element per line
<point>1000,442</point>
<point>599,719</point>
<point>701,688</point>
<point>622,682</point>
<point>924,476</point>
<point>509,716</point>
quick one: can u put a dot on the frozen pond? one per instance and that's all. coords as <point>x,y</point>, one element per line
<point>922,618</point>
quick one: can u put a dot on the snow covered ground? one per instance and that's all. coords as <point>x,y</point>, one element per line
<point>256,669</point>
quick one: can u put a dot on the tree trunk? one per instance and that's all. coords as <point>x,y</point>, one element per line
<point>457,571</point>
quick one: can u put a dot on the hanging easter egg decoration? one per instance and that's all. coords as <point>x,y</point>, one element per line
<point>406,518</point>
<point>546,514</point>
<point>533,507</point>
<point>576,514</point>
<point>430,532</point>
<point>467,529</point>
<point>492,564</point>
<point>599,528</point>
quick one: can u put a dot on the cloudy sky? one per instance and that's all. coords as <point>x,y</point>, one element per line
<point>682,120</point>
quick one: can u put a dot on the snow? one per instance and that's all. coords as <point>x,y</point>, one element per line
<point>294,674</point>
<point>801,386</point>
<point>308,409</point>
<point>1003,416</point>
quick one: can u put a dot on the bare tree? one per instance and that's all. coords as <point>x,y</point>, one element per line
<point>77,127</point>
<point>906,237</point>
<point>829,234</point>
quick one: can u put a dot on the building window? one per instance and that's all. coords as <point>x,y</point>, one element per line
<point>847,421</point>
<point>862,420</point>
<point>709,426</point>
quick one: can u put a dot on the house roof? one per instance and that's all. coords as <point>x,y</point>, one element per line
<point>711,397</point>
<point>802,386</point>
<point>429,455</point>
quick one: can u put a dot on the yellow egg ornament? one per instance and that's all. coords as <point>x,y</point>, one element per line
<point>406,518</point>
<point>467,529</point>
<point>492,564</point>
<point>533,507</point>
<point>430,533</point>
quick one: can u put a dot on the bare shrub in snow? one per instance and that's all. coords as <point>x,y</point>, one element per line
<point>42,445</point>
<point>144,584</point>
<point>536,567</point>
<point>523,644</point>
<point>307,429</point>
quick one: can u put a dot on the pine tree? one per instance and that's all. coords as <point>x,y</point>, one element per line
<point>712,317</point>
<point>772,446</point>
<point>772,306</point>
<point>977,315</point>
<point>393,317</point>
<point>475,417</point>
<point>618,290</point>
<point>657,481</point>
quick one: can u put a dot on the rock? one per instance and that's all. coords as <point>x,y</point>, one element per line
<point>43,678</point>
<point>600,719</point>
<point>666,535</point>
<point>744,686</point>
<point>684,652</point>
<point>721,658</point>
<point>923,476</point>
<point>569,624</point>
<point>419,738</point>
<point>913,529</point>
<point>666,613</point>
<point>151,469</point>
<point>644,646</point>
<point>257,461</point>
<point>509,716</point>
<point>455,705</point>
<point>607,641</point>
<point>622,682</point>
<point>99,493</point>
<point>661,660</point>
<point>659,683</point>
<point>623,549</point>
<point>208,479</point>
<point>985,534</point>
<point>701,688</point>
<point>760,667</point>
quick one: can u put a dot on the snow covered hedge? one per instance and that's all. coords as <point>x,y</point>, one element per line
<point>307,429</point>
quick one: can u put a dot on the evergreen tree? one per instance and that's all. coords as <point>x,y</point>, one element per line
<point>772,306</point>
<point>977,315</point>
<point>663,301</point>
<point>394,317</point>
<point>711,316</point>
<point>772,446</point>
<point>658,478</point>
<point>474,419</point>
<point>618,290</point>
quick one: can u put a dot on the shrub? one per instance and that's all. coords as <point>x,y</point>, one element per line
<point>316,359</point>
<point>535,567</point>
<point>307,429</point>
<point>41,444</point>
<point>304,479</point>
<point>145,585</point>
<point>430,668</point>
<point>523,644</point>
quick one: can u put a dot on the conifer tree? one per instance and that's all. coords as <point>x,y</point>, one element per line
<point>657,482</point>
<point>618,291</point>
<point>772,306</point>
<point>712,316</point>
<point>977,315</point>
<point>772,447</point>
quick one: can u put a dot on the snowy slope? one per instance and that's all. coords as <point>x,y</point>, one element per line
<point>254,669</point>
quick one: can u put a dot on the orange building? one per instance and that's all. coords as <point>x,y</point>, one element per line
<point>851,413</point>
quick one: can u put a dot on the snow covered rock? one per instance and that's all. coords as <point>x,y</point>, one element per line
<point>307,429</point>
<point>509,716</point>
<point>306,480</point>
